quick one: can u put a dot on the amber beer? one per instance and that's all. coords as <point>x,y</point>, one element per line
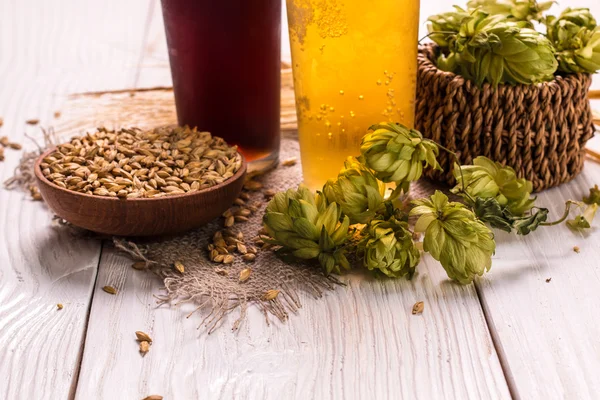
<point>354,65</point>
<point>225,60</point>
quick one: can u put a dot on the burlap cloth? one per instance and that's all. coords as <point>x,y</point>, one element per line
<point>215,294</point>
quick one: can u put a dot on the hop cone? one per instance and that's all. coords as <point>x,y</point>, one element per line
<point>441,27</point>
<point>300,222</point>
<point>496,51</point>
<point>398,154</point>
<point>487,179</point>
<point>357,191</point>
<point>453,236</point>
<point>576,38</point>
<point>514,10</point>
<point>388,248</point>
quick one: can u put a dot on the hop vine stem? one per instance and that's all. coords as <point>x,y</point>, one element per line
<point>462,178</point>
<point>436,33</point>
<point>568,205</point>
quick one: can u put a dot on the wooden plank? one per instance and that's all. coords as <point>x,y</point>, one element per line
<point>548,331</point>
<point>360,341</point>
<point>48,50</point>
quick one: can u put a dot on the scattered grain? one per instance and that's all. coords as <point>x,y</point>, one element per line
<point>253,185</point>
<point>144,347</point>
<point>289,162</point>
<point>142,336</point>
<point>576,249</point>
<point>59,306</point>
<point>245,274</point>
<point>32,121</point>
<point>270,295</point>
<point>269,193</point>
<point>221,271</point>
<point>109,290</point>
<point>249,257</point>
<point>418,308</point>
<point>139,265</point>
<point>179,266</point>
<point>241,248</point>
<point>244,196</point>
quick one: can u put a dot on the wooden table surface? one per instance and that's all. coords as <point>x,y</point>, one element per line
<point>511,334</point>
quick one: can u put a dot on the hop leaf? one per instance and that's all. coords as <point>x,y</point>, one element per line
<point>594,197</point>
<point>491,212</point>
<point>357,191</point>
<point>302,223</point>
<point>514,10</point>
<point>526,225</point>
<point>388,248</point>
<point>488,210</point>
<point>453,236</point>
<point>487,179</point>
<point>576,37</point>
<point>584,221</point>
<point>398,154</point>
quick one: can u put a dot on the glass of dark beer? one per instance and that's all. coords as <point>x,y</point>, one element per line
<point>225,58</point>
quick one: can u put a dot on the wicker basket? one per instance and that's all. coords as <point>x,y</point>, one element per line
<point>539,130</point>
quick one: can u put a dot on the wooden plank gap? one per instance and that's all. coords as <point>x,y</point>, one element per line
<point>75,383</point>
<point>504,364</point>
<point>145,36</point>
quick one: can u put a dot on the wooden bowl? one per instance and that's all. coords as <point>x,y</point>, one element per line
<point>140,217</point>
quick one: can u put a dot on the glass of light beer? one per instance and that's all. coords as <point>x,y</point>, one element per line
<point>354,65</point>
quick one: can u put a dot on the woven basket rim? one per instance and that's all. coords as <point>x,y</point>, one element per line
<point>428,66</point>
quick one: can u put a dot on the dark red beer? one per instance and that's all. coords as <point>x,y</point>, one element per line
<point>225,60</point>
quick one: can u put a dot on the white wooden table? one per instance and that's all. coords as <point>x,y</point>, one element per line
<point>511,334</point>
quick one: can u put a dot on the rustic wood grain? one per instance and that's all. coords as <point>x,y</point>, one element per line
<point>548,331</point>
<point>49,49</point>
<point>360,341</point>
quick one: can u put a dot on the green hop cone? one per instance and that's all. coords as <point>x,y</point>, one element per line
<point>388,248</point>
<point>398,154</point>
<point>302,223</point>
<point>453,236</point>
<point>584,221</point>
<point>357,191</point>
<point>441,27</point>
<point>594,197</point>
<point>514,10</point>
<point>579,17</point>
<point>497,51</point>
<point>576,37</point>
<point>488,179</point>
